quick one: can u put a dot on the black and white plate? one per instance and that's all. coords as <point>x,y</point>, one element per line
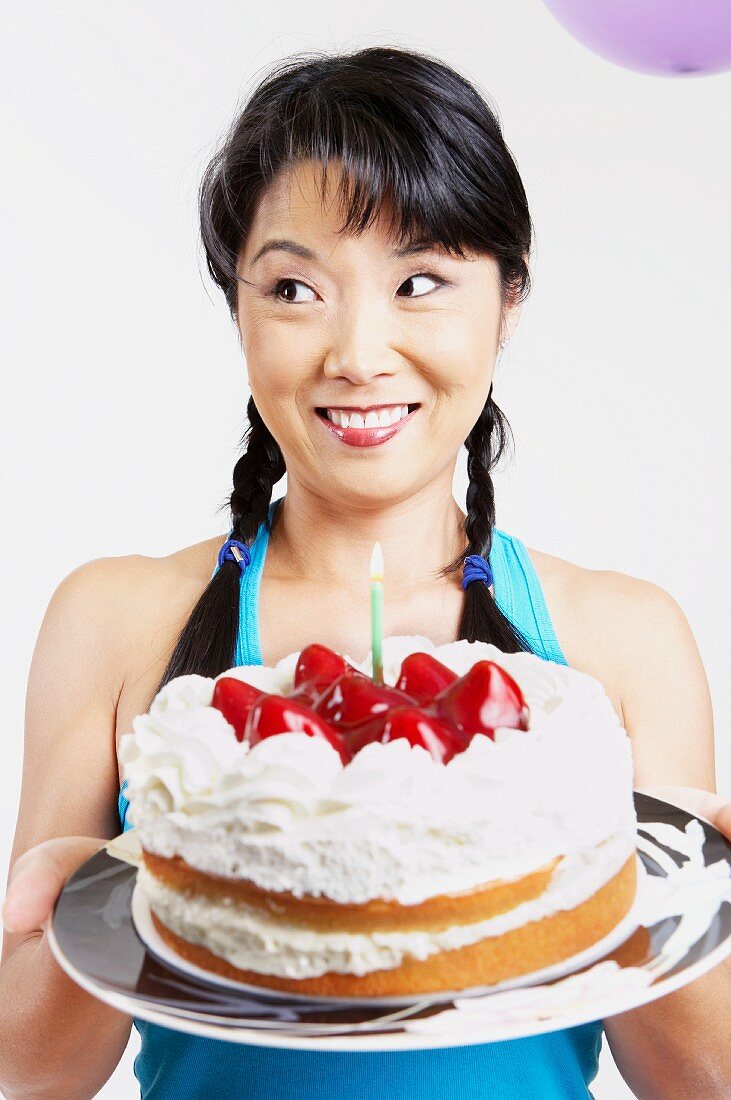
<point>680,926</point>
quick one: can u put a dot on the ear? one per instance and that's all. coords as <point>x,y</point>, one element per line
<point>511,316</point>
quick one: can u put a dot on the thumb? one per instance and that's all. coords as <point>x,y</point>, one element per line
<point>38,876</point>
<point>712,807</point>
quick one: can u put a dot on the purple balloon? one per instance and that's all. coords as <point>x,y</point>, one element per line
<point>669,37</point>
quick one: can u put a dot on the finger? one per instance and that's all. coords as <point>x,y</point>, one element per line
<point>723,820</point>
<point>712,807</point>
<point>31,893</point>
<point>37,878</point>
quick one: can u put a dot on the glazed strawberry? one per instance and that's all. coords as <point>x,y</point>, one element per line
<point>354,699</point>
<point>274,714</point>
<point>413,724</point>
<point>483,699</point>
<point>317,667</point>
<point>423,676</point>
<point>235,698</point>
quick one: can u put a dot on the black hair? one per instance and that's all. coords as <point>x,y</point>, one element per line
<point>412,135</point>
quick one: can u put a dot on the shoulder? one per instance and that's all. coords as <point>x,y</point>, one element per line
<point>121,592</point>
<point>120,576</point>
<point>602,587</point>
<point>126,614</point>
<point>634,637</point>
<point>601,602</point>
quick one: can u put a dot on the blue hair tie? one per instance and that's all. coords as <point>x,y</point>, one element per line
<point>476,569</point>
<point>234,550</point>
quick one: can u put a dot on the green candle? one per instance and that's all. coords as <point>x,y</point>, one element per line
<point>377,612</point>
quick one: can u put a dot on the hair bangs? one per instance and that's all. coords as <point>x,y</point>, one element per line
<point>385,172</point>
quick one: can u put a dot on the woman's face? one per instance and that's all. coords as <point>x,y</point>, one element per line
<point>356,324</point>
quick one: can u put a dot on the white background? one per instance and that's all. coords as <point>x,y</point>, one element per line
<point>124,392</point>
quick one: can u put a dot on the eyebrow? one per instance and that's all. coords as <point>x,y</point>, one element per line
<point>278,244</point>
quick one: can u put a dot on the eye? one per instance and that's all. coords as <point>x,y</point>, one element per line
<point>281,283</point>
<point>421,275</point>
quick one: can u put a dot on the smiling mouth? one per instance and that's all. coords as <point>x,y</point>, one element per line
<point>358,435</point>
<point>364,418</point>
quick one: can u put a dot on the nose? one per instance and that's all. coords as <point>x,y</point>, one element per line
<point>360,348</point>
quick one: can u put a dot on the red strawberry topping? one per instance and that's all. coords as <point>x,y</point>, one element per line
<point>430,705</point>
<point>413,724</point>
<point>354,699</point>
<point>483,699</point>
<point>235,698</point>
<point>423,676</point>
<point>317,667</point>
<point>275,714</point>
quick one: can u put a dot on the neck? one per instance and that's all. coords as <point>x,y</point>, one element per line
<point>314,538</point>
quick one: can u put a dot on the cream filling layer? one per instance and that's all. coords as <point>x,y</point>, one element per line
<point>246,939</point>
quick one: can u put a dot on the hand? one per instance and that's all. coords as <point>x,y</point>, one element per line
<point>714,808</point>
<point>38,877</point>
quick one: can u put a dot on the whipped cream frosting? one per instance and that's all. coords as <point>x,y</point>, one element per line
<point>392,823</point>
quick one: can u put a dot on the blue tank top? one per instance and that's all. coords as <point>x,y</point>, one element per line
<point>174,1065</point>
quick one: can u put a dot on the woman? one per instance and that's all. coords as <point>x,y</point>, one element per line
<point>370,231</point>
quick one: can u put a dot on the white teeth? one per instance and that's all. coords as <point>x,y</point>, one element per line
<point>372,419</point>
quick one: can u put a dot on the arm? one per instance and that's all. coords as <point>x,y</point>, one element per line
<point>678,1046</point>
<point>56,1040</point>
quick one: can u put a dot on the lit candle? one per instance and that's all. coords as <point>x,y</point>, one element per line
<point>377,612</point>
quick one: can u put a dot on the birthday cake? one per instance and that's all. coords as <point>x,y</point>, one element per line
<point>468,821</point>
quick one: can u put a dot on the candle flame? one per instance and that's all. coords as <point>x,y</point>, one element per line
<point>377,563</point>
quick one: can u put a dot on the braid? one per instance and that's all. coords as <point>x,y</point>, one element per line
<point>482,619</point>
<point>207,643</point>
<point>255,474</point>
<point>480,501</point>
